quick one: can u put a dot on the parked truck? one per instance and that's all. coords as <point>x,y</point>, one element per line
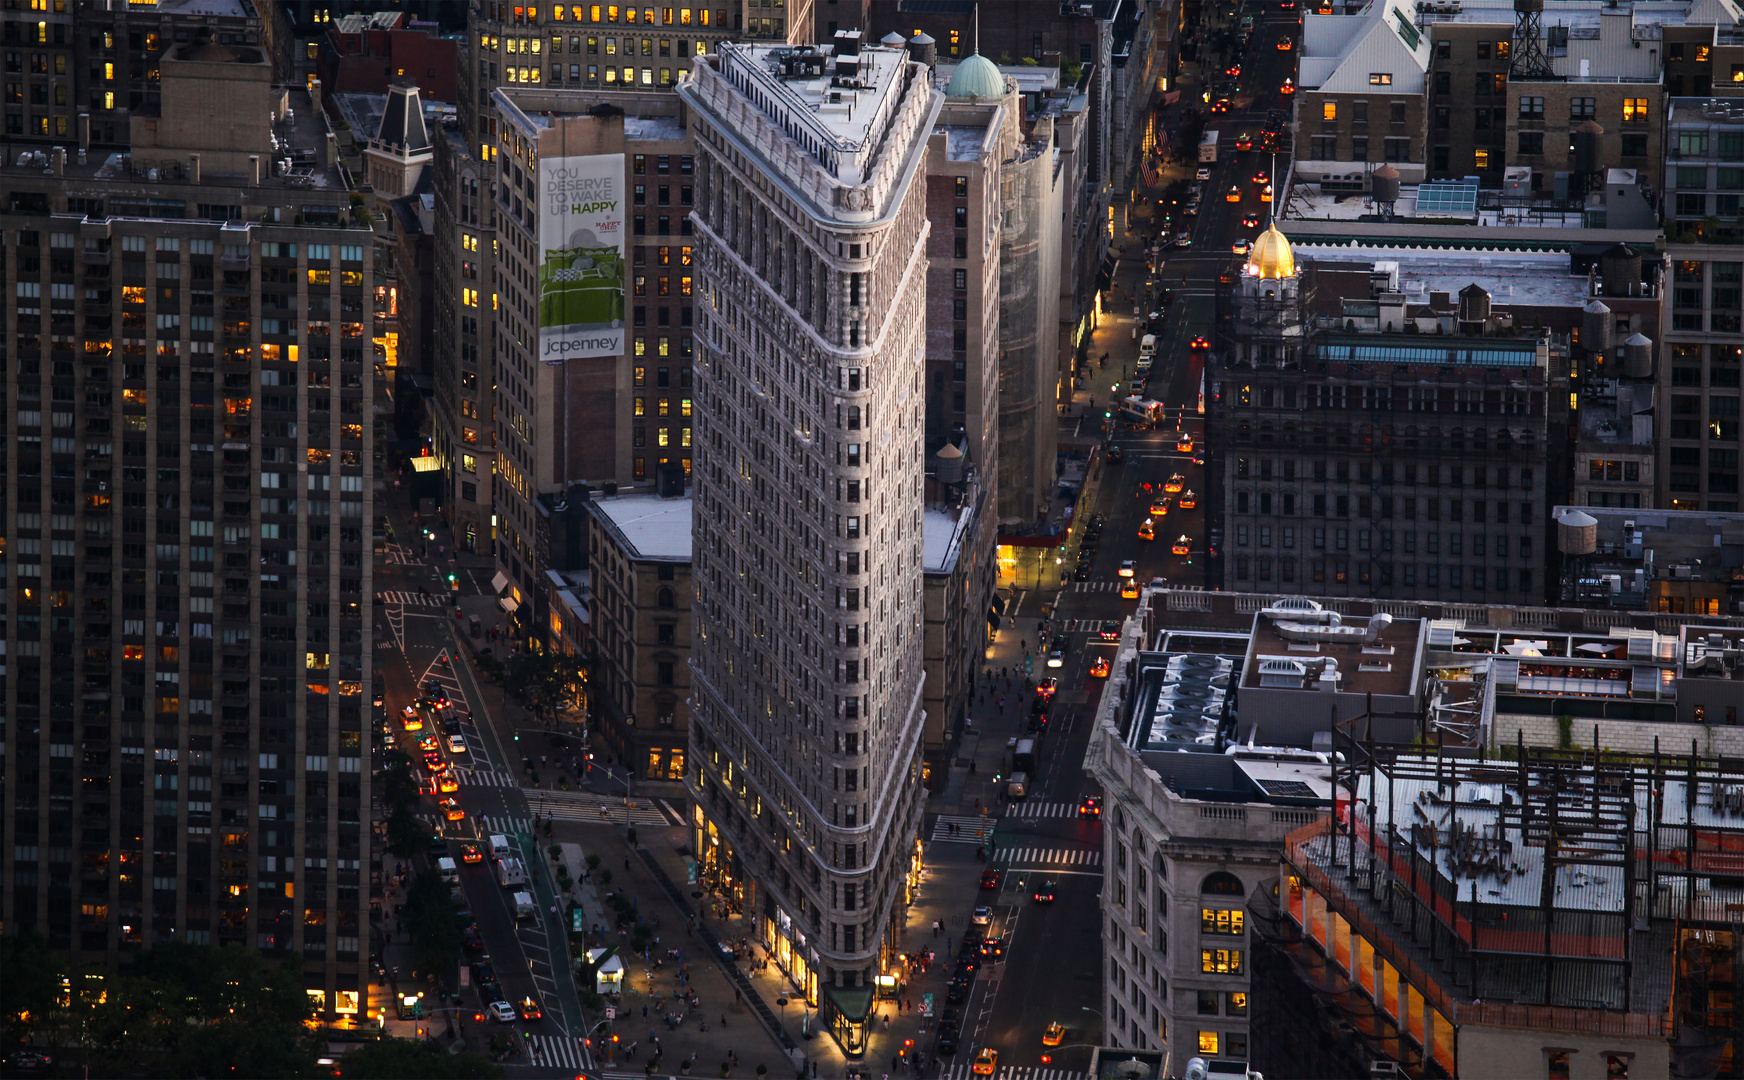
<point>512,873</point>
<point>1208,149</point>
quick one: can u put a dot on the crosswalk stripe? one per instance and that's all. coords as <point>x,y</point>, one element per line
<point>1040,809</point>
<point>483,777</point>
<point>502,823</point>
<point>639,815</point>
<point>970,829</point>
<point>556,1050</point>
<point>1007,1072</point>
<point>586,806</point>
<point>408,598</point>
<point>1094,586</point>
<point>1048,856</point>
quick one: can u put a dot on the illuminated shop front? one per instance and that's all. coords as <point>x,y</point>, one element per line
<point>717,870</point>
<point>793,953</point>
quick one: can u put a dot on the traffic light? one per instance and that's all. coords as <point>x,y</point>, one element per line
<point>453,580</point>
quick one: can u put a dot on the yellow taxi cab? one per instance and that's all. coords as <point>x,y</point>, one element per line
<point>1054,1035</point>
<point>446,782</point>
<point>1289,87</point>
<point>1233,196</point>
<point>451,809</point>
<point>1189,500</point>
<point>1159,507</point>
<point>1129,589</point>
<point>1174,484</point>
<point>471,853</point>
<point>1183,545</point>
<point>429,742</point>
<point>1285,44</point>
<point>1184,444</point>
<point>1147,530</point>
<point>411,720</point>
<point>986,1062</point>
<point>1099,668</point>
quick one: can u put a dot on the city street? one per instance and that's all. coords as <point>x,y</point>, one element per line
<point>1051,973</point>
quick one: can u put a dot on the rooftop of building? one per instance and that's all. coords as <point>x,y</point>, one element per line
<point>652,114</point>
<point>655,128</point>
<point>1712,653</point>
<point>1616,414</point>
<point>943,532</point>
<point>1341,53</point>
<point>1668,545</point>
<point>301,129</point>
<point>1705,112</point>
<point>1512,278</point>
<point>206,9</point>
<point>360,22</point>
<point>1299,645</point>
<point>1476,825</point>
<point>834,100</point>
<point>647,527</point>
<point>1582,17</point>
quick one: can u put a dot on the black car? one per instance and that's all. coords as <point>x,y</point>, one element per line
<point>1038,724</point>
<point>482,972</point>
<point>471,940</point>
<point>1081,572</point>
<point>1114,452</point>
<point>1044,892</point>
<point>947,1043</point>
<point>957,992</point>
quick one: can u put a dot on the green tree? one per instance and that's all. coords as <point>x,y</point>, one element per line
<point>407,833</point>
<point>546,682</point>
<point>398,786</point>
<point>30,990</point>
<point>196,1010</point>
<point>430,918</point>
<point>406,1059</point>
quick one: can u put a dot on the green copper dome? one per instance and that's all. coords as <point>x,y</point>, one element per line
<point>976,77</point>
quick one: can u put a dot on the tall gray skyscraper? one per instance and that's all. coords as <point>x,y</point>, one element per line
<point>810,233</point>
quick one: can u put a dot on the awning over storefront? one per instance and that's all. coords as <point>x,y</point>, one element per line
<point>499,581</point>
<point>993,617</point>
<point>1105,276</point>
<point>509,603</point>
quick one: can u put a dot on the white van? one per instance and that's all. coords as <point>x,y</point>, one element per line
<point>447,868</point>
<point>511,873</point>
<point>1147,346</point>
<point>523,903</point>
<point>500,847</point>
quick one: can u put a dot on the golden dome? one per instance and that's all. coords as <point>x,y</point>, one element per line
<point>1271,256</point>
